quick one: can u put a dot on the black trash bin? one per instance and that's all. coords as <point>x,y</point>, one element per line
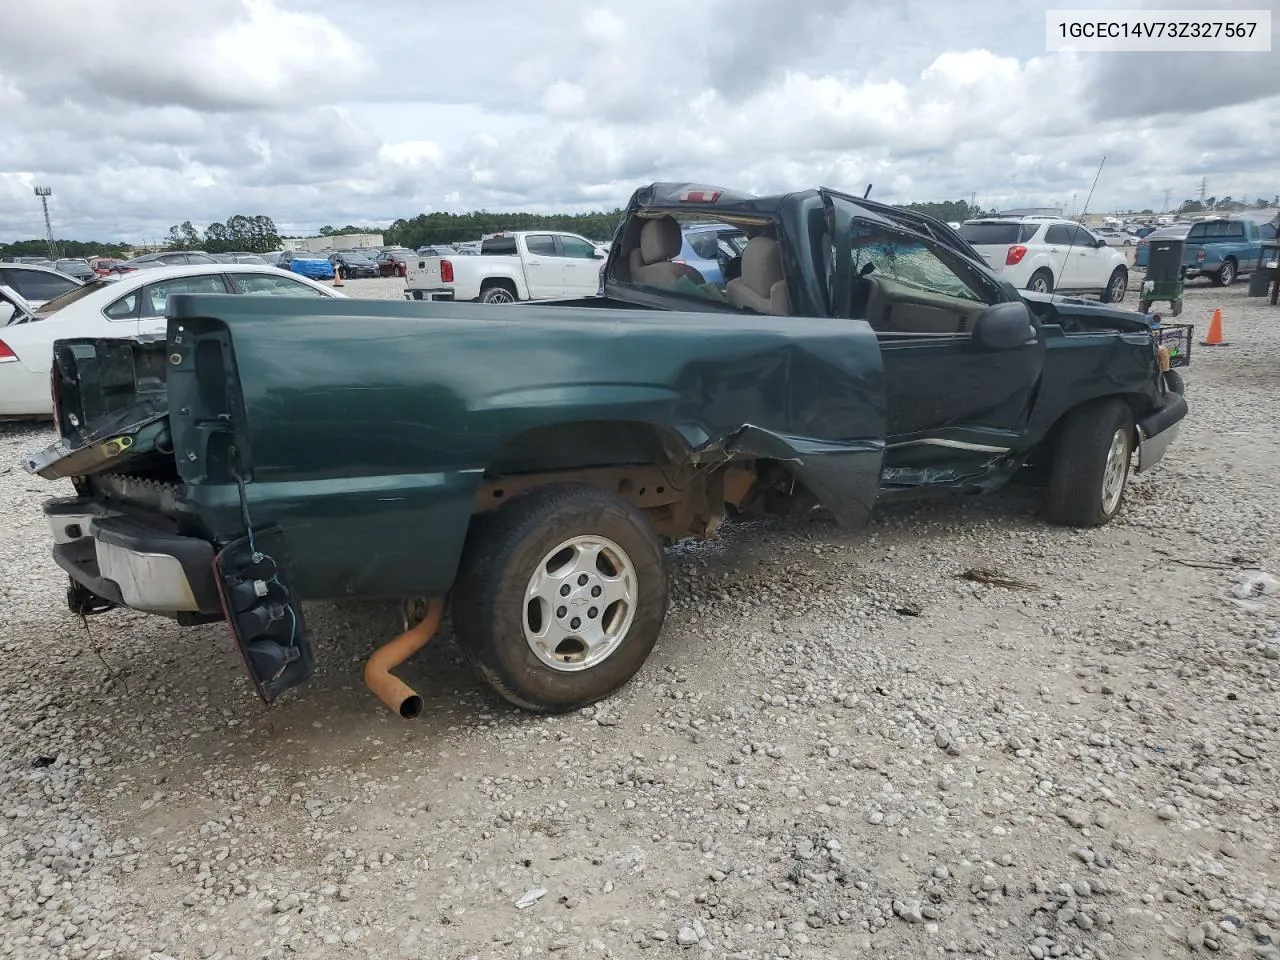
<point>1260,279</point>
<point>1164,274</point>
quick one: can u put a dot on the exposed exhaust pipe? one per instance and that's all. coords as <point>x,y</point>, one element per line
<point>390,689</point>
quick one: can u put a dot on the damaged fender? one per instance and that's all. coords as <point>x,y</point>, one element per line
<point>843,475</point>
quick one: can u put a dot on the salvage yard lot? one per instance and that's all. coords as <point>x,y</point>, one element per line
<point>838,745</point>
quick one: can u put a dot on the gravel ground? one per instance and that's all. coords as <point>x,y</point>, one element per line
<point>838,746</point>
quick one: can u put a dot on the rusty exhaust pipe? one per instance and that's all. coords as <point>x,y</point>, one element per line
<point>388,688</point>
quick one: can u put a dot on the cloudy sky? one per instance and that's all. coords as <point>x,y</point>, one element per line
<point>144,113</point>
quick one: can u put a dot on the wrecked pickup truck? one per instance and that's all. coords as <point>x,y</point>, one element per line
<point>525,463</point>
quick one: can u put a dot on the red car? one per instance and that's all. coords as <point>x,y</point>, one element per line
<point>102,265</point>
<point>394,262</point>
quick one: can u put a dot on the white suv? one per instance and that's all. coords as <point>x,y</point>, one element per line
<point>1049,255</point>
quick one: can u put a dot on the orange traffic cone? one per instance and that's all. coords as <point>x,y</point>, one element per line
<point>337,277</point>
<point>1215,338</point>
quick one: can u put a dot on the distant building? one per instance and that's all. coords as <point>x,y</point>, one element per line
<point>346,241</point>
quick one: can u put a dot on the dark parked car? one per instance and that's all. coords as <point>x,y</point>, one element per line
<point>75,267</point>
<point>527,461</point>
<point>352,263</point>
<point>171,258</point>
<point>394,262</point>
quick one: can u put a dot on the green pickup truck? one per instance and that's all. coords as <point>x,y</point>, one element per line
<point>524,464</point>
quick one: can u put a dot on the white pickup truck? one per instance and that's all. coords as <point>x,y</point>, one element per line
<point>524,265</point>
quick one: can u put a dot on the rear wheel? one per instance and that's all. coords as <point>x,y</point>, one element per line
<point>1226,274</point>
<point>560,597</point>
<point>1144,306</point>
<point>1091,464</point>
<point>1117,286</point>
<point>497,294</point>
<point>1041,282</point>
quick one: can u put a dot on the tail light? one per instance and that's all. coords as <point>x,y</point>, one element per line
<point>1015,255</point>
<point>1200,254</point>
<point>446,271</point>
<point>6,353</point>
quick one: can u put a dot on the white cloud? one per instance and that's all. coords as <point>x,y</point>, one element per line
<point>140,113</point>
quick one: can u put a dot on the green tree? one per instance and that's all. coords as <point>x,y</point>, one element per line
<point>216,238</point>
<point>69,248</point>
<point>948,211</point>
<point>1191,206</point>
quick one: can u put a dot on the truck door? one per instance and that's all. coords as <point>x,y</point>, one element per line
<point>581,266</point>
<point>543,267</point>
<point>952,398</point>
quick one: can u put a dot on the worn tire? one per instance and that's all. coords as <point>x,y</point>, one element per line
<point>1080,464</point>
<point>1177,308</point>
<point>1144,306</point>
<point>1044,275</point>
<point>1174,382</point>
<point>1226,274</point>
<point>489,608</point>
<point>1117,286</point>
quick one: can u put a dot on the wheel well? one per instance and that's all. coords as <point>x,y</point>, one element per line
<point>1138,408</point>
<point>489,282</point>
<point>648,465</point>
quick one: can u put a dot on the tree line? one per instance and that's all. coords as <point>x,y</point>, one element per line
<point>240,234</point>
<point>1226,204</point>
<point>66,248</point>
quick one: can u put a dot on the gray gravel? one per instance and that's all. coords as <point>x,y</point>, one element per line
<point>837,747</point>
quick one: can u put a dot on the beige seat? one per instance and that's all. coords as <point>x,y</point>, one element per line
<point>650,262</point>
<point>761,287</point>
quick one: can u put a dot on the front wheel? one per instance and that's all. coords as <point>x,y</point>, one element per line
<point>560,597</point>
<point>1117,286</point>
<point>1091,464</point>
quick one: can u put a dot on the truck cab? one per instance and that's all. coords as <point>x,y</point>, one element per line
<point>1224,248</point>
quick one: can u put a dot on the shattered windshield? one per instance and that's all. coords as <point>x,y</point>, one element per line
<point>908,260</point>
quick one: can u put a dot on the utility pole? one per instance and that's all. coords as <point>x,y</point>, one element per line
<point>1167,192</point>
<point>44,193</point>
<point>1204,188</point>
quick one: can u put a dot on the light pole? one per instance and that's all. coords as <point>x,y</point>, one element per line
<point>44,193</point>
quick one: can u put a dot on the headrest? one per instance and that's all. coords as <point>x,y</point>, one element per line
<point>660,239</point>
<point>761,265</point>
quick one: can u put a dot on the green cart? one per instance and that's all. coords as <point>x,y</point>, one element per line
<point>1164,275</point>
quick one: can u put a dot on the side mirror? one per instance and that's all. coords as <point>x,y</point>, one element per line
<point>598,255</point>
<point>1004,326</point>
<point>1100,242</point>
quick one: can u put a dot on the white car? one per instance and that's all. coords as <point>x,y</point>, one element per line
<point>1049,255</point>
<point>34,284</point>
<point>130,306</point>
<point>1116,238</point>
